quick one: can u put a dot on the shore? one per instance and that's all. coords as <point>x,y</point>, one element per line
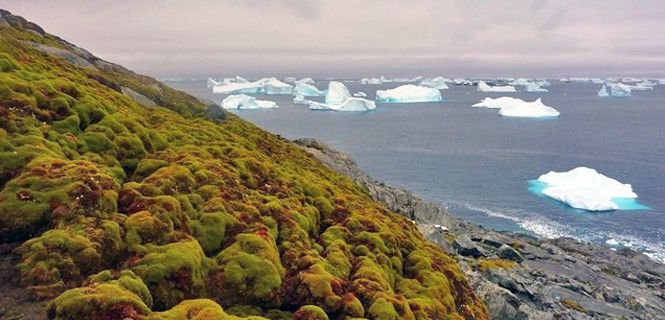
<point>520,276</point>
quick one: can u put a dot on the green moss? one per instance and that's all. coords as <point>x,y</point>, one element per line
<point>210,228</point>
<point>106,296</point>
<point>487,264</point>
<point>571,304</point>
<point>199,309</point>
<point>310,312</point>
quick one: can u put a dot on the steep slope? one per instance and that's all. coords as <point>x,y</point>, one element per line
<point>133,200</point>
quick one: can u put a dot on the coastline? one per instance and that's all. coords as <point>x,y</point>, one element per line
<point>520,276</point>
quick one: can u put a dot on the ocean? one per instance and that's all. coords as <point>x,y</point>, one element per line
<point>478,164</point>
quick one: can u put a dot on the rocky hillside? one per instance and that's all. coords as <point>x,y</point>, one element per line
<point>522,277</point>
<point>124,199</point>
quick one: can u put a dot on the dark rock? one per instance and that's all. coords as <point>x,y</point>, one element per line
<point>507,252</point>
<point>466,247</point>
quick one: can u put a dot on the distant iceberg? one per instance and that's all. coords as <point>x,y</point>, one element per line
<point>436,83</point>
<point>462,81</point>
<point>243,102</point>
<point>513,107</point>
<point>484,87</point>
<point>290,79</point>
<point>360,94</point>
<point>534,87</point>
<point>338,98</point>
<point>615,90</point>
<point>306,90</point>
<point>265,85</point>
<point>630,79</point>
<point>585,188</point>
<point>380,80</point>
<point>408,93</point>
<point>300,100</point>
<point>308,81</point>
<point>212,82</point>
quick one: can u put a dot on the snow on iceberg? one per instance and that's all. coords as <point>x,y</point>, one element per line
<point>615,90</point>
<point>436,83</point>
<point>308,81</point>
<point>360,94</point>
<point>338,98</point>
<point>243,101</point>
<point>585,188</point>
<point>513,107</point>
<point>484,87</point>
<point>408,93</point>
<point>265,85</point>
<point>306,90</point>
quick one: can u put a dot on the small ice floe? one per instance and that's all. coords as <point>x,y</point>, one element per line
<point>408,93</point>
<point>436,83</point>
<point>484,87</point>
<point>585,188</point>
<point>615,90</point>
<point>245,102</point>
<point>513,107</point>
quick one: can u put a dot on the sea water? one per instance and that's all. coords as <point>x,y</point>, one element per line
<point>478,164</point>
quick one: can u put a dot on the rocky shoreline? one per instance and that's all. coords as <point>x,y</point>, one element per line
<point>519,276</point>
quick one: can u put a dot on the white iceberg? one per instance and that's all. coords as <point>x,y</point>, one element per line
<point>308,81</point>
<point>585,188</point>
<point>290,79</point>
<point>306,90</point>
<point>513,107</point>
<point>615,90</point>
<point>373,80</point>
<point>630,79</point>
<point>642,86</point>
<point>243,101</point>
<point>484,87</point>
<point>360,94</point>
<point>338,98</point>
<point>212,82</point>
<point>265,85</point>
<point>534,87</point>
<point>300,100</point>
<point>436,83</point>
<point>408,93</point>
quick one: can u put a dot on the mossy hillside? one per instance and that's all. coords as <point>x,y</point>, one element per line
<point>195,208</point>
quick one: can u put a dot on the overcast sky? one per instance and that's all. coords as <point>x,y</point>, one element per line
<point>169,38</point>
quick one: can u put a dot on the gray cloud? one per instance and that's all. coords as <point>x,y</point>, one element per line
<point>355,38</point>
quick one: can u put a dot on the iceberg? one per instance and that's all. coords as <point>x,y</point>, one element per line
<point>408,93</point>
<point>373,80</point>
<point>630,79</point>
<point>265,85</point>
<point>338,98</point>
<point>300,100</point>
<point>212,82</point>
<point>306,90</point>
<point>436,83</point>
<point>513,107</point>
<point>520,82</point>
<point>290,79</point>
<point>360,94</point>
<point>308,81</point>
<point>243,101</point>
<point>615,90</point>
<point>484,87</point>
<point>534,87</point>
<point>585,188</point>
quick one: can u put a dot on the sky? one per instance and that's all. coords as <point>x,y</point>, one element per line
<point>349,38</point>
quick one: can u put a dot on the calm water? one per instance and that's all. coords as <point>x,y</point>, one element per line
<point>478,164</point>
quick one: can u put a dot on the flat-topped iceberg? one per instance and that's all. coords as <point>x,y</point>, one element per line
<point>380,80</point>
<point>513,107</point>
<point>615,90</point>
<point>244,102</point>
<point>436,83</point>
<point>265,85</point>
<point>534,87</point>
<point>484,87</point>
<point>306,90</point>
<point>585,188</point>
<point>309,81</point>
<point>408,93</point>
<point>338,98</point>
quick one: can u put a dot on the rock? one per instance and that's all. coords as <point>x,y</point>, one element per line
<point>632,278</point>
<point>507,252</point>
<point>466,247</point>
<point>139,98</point>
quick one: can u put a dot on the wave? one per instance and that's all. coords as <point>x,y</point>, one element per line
<point>541,226</point>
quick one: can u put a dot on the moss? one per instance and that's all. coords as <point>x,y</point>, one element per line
<point>210,228</point>
<point>310,312</point>
<point>571,304</point>
<point>488,264</point>
<point>199,309</point>
<point>251,271</point>
<point>95,181</point>
<point>105,296</point>
<point>173,272</point>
